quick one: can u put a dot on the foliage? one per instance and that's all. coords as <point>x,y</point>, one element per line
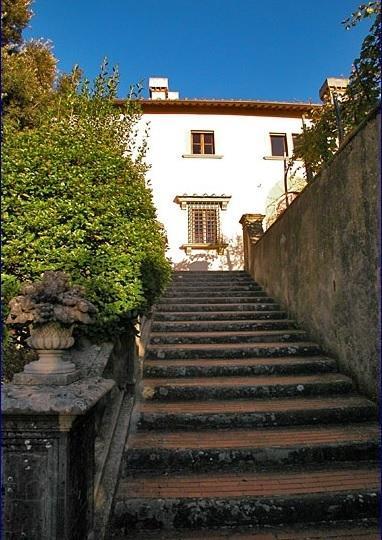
<point>75,200</point>
<point>318,142</point>
<point>364,90</point>
<point>28,77</point>
<point>28,68</point>
<point>14,356</point>
<point>15,15</point>
<point>276,202</point>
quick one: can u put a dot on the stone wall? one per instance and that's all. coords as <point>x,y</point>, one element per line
<point>320,259</point>
<point>63,445</point>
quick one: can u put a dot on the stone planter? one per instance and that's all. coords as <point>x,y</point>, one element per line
<point>51,336</point>
<point>50,340</point>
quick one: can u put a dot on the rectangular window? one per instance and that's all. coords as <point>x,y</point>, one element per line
<point>203,226</point>
<point>279,145</point>
<point>202,142</point>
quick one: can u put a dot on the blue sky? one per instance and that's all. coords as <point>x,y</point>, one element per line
<point>249,49</point>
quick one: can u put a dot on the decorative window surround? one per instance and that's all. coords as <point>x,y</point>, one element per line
<point>218,247</point>
<point>203,221</point>
<point>184,200</point>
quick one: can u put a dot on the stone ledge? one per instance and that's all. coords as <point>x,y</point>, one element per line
<point>74,399</point>
<point>58,379</point>
<point>90,358</point>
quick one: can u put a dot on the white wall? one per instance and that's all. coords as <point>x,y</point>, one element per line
<point>243,141</point>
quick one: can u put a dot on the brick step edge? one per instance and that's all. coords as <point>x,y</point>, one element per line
<point>158,460</point>
<point>220,316</point>
<point>239,369</point>
<point>223,326</point>
<point>183,513</point>
<point>166,391</point>
<point>366,529</point>
<point>255,350</point>
<point>197,290</point>
<point>206,338</point>
<point>186,421</point>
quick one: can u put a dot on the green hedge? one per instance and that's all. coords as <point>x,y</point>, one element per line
<point>75,199</point>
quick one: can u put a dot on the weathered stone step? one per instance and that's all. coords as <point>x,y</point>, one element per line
<point>210,275</point>
<point>191,415</point>
<point>256,306</point>
<point>238,337</point>
<point>232,350</point>
<point>246,387</point>
<point>227,316</point>
<point>365,529</point>
<point>213,367</point>
<point>222,326</point>
<point>157,452</point>
<point>212,292</point>
<point>208,272</point>
<point>219,499</point>
<point>219,280</point>
<point>247,299</point>
<point>196,290</point>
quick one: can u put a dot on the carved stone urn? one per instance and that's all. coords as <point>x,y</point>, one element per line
<point>51,340</point>
<point>51,335</point>
<point>50,308</point>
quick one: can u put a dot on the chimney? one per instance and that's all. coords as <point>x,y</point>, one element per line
<point>333,86</point>
<point>158,89</point>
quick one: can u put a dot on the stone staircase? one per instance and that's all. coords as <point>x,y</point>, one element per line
<point>245,429</point>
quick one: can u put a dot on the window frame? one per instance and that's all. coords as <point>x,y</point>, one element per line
<point>202,143</point>
<point>285,138</point>
<point>218,203</point>
<point>209,215</point>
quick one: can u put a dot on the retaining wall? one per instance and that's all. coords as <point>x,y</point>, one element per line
<point>320,259</point>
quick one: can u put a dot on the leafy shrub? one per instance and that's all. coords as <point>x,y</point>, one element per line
<point>319,142</point>
<point>75,200</point>
<point>14,355</point>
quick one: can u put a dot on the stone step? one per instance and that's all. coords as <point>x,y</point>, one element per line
<point>246,387</point>
<point>256,306</point>
<point>232,350</point>
<point>255,449</point>
<point>174,501</point>
<point>238,337</point>
<point>210,275</point>
<point>226,298</point>
<point>216,367</point>
<point>208,272</point>
<point>227,316</point>
<point>218,280</point>
<point>190,299</point>
<point>365,529</point>
<point>195,290</point>
<point>195,415</point>
<point>222,326</point>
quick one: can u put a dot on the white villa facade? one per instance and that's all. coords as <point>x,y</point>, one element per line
<point>211,162</point>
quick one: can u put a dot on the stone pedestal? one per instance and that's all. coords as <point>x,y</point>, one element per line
<point>48,459</point>
<point>252,232</point>
<point>52,367</point>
